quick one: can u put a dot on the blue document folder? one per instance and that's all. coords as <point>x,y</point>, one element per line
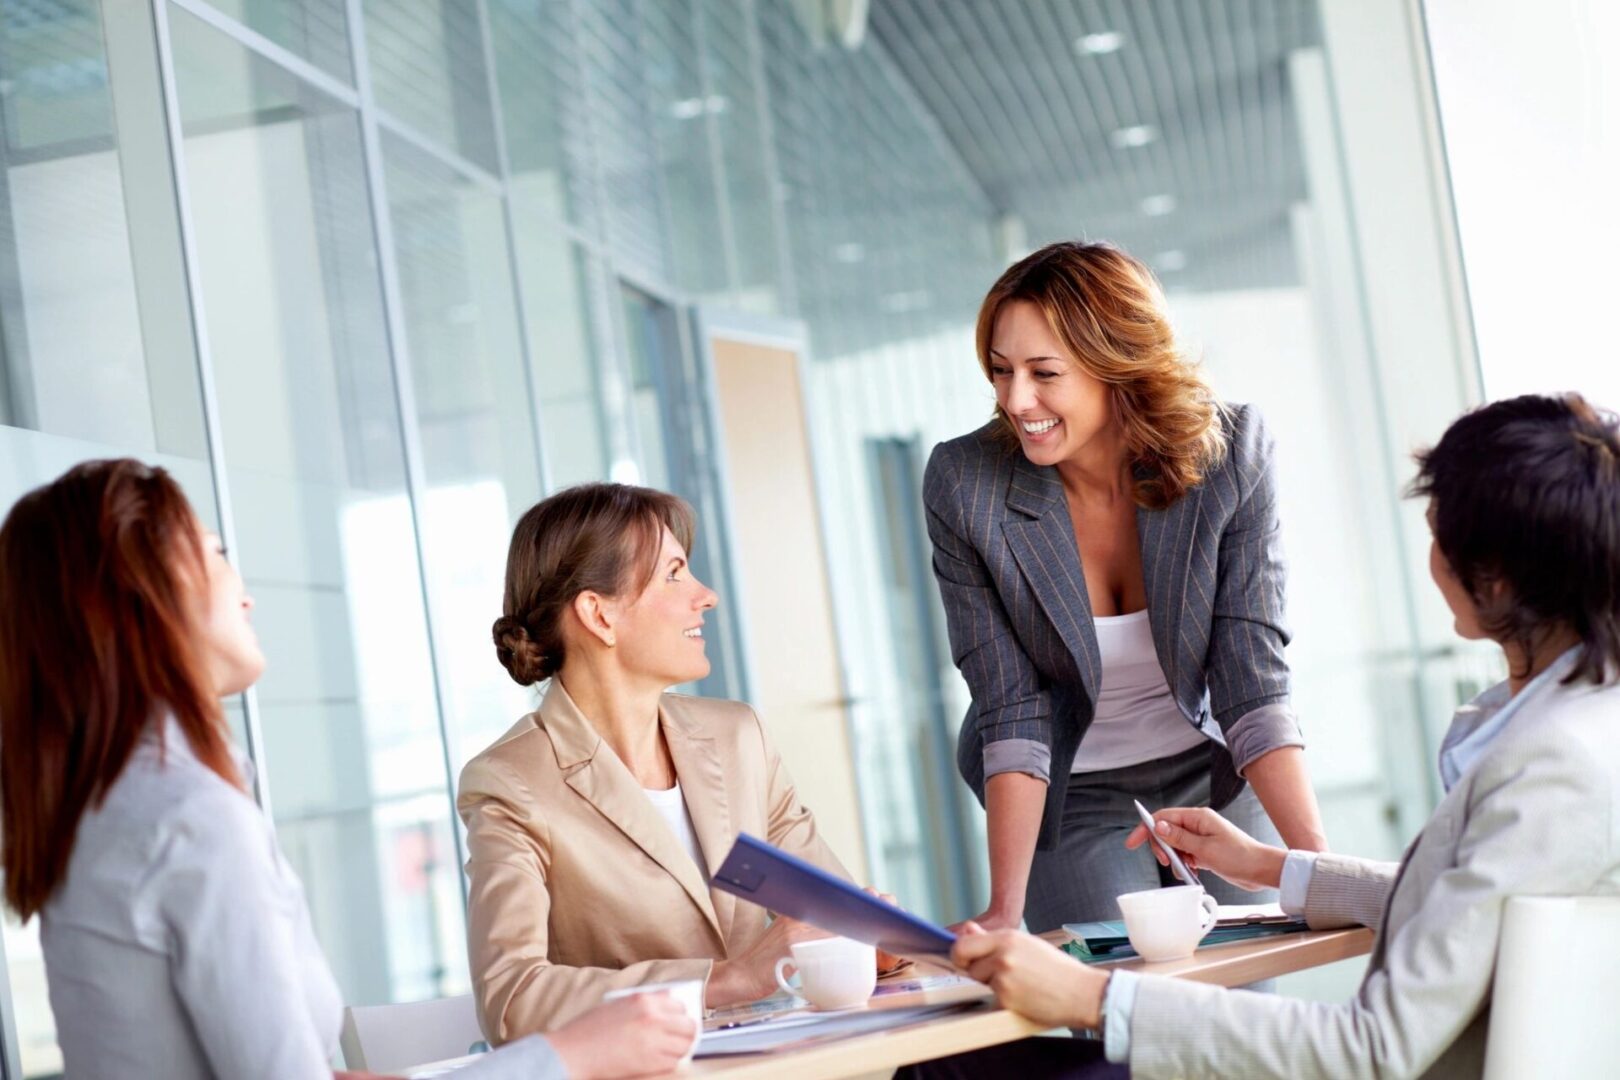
<point>787,885</point>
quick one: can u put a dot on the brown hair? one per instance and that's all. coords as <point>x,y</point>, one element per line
<point>98,641</point>
<point>588,538</point>
<point>1109,313</point>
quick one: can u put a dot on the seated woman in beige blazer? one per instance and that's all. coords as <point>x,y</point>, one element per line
<point>593,824</point>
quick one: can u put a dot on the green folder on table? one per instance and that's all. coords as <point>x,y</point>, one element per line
<point>1098,941</point>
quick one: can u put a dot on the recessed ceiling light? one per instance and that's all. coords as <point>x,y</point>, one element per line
<point>1174,259</point>
<point>1158,205</point>
<point>1136,135</point>
<point>897,303</point>
<point>693,107</point>
<point>1106,41</point>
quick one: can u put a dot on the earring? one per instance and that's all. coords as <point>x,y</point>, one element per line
<point>612,641</point>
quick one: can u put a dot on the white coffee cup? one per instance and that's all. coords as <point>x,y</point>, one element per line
<point>1167,924</point>
<point>689,992</point>
<point>836,973</point>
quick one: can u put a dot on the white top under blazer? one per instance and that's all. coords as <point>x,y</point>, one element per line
<point>1137,718</point>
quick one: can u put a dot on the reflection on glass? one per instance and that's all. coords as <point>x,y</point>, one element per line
<point>749,194</point>
<point>315,463</point>
<point>556,276</point>
<point>543,111</point>
<point>653,344</point>
<point>473,413</point>
<point>317,30</point>
<point>428,71</point>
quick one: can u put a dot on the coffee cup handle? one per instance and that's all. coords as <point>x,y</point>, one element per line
<point>1211,911</point>
<point>781,981</point>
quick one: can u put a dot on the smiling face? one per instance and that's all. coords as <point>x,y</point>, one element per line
<point>230,648</point>
<point>658,634</point>
<point>1056,406</point>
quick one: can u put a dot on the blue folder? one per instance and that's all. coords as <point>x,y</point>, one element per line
<point>787,885</point>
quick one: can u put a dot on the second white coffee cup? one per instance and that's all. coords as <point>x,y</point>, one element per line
<point>836,973</point>
<point>1167,924</point>
<point>689,992</point>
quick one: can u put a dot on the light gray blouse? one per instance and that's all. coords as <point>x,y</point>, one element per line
<point>179,944</point>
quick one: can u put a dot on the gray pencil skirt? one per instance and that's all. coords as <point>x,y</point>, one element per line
<point>1079,879</point>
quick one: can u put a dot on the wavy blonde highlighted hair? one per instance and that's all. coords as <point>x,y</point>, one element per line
<point>1108,311</point>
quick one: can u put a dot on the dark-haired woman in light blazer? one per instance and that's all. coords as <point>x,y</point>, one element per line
<point>1107,552</point>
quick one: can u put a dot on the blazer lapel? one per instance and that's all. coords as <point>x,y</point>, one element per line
<point>1043,544</point>
<point>593,770</point>
<point>703,783</point>
<point>1167,545</point>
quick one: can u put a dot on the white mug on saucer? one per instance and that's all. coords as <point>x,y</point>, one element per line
<point>689,992</point>
<point>836,973</point>
<point>1168,923</point>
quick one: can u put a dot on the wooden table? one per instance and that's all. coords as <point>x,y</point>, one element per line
<point>1236,964</point>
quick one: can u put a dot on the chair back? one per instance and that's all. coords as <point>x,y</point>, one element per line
<point>1557,991</point>
<point>392,1038</point>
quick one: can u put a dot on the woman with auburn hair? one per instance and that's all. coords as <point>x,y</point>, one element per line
<point>1107,552</point>
<point>175,936</point>
<point>1524,509</point>
<point>595,822</point>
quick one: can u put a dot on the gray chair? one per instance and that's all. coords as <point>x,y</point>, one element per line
<point>1556,989</point>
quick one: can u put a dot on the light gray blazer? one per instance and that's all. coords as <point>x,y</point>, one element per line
<point>1537,815</point>
<point>1020,622</point>
<point>179,945</point>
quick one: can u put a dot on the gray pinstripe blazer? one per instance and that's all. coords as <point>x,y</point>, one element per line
<point>1020,623</point>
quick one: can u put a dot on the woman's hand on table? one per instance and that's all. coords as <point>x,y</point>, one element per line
<point>1031,977</point>
<point>751,974</point>
<point>1206,840</point>
<point>887,963</point>
<point>637,1035</point>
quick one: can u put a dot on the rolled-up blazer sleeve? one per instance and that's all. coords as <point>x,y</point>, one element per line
<point>1247,672</point>
<point>1012,710</point>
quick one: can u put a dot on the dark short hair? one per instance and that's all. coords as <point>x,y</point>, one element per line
<point>602,538</point>
<point>1526,492</point>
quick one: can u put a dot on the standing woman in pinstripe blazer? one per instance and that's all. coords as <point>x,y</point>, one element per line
<point>1107,552</point>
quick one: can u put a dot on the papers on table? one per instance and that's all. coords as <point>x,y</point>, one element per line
<point>1251,915</point>
<point>794,1030</point>
<point>782,1020</point>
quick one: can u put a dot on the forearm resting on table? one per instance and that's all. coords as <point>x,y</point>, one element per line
<point>1013,804</point>
<point>1283,785</point>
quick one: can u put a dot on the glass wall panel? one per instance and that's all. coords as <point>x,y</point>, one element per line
<point>541,84</point>
<point>733,77</point>
<point>557,281</point>
<point>313,444</point>
<point>634,221</point>
<point>317,30</point>
<point>76,379</point>
<point>428,71</point>
<point>475,422</point>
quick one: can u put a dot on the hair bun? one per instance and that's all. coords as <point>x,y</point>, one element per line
<point>518,653</point>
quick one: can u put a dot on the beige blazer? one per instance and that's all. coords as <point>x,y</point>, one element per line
<point>1537,815</point>
<point>578,886</point>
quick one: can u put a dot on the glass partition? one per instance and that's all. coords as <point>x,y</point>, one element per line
<point>315,458</point>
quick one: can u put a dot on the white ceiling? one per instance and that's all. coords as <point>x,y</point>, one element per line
<point>1044,123</point>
